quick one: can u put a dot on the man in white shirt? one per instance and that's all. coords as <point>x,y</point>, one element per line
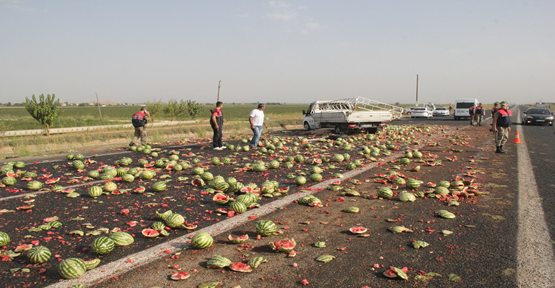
<point>256,119</point>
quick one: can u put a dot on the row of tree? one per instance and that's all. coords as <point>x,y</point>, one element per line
<point>173,109</point>
<point>45,109</point>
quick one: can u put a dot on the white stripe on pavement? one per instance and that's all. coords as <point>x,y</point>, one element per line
<point>536,265</point>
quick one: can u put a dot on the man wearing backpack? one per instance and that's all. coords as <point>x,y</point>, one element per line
<point>217,122</point>
<point>139,121</point>
<point>479,114</point>
<point>471,112</point>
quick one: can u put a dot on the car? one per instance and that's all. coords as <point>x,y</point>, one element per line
<point>441,111</point>
<point>537,116</point>
<point>409,110</point>
<point>422,112</point>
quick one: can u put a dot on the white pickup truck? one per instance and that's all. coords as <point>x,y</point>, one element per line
<point>350,114</point>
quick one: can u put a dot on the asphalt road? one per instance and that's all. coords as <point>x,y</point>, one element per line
<point>540,140</point>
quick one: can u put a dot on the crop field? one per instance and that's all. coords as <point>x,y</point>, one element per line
<point>17,118</point>
<point>52,205</point>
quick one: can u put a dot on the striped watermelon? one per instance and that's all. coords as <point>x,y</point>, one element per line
<point>110,187</point>
<point>91,264</point>
<point>72,268</point>
<point>4,239</point>
<point>266,228</point>
<point>163,216</point>
<point>9,181</point>
<point>248,198</point>
<point>175,220</point>
<point>95,191</point>
<point>385,193</point>
<point>223,186</point>
<point>34,185</point>
<point>238,207</point>
<point>122,238</point>
<point>218,261</point>
<point>103,245</point>
<point>202,240</point>
<point>128,178</point>
<point>159,186</point>
<point>220,198</point>
<point>39,254</point>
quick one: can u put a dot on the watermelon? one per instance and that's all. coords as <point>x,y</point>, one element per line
<point>240,267</point>
<point>95,191</point>
<point>385,192</point>
<point>72,268</point>
<point>147,174</point>
<point>34,185</point>
<point>285,245</point>
<point>413,183</point>
<point>159,186</point>
<point>39,254</point>
<point>9,181</point>
<point>163,216</point>
<point>238,207</point>
<point>23,248</point>
<point>197,182</point>
<point>174,220</point>
<point>140,190</point>
<point>4,239</point>
<point>358,230</point>
<point>256,261</point>
<point>91,264</point>
<point>202,240</point>
<point>70,156</point>
<point>128,178</point>
<point>239,239</point>
<point>150,233</point>
<point>197,171</point>
<point>316,177</point>
<point>395,272</point>
<point>274,164</point>
<point>103,245</point>
<point>122,238</point>
<point>179,275</point>
<point>300,180</point>
<point>78,164</point>
<point>110,186</point>
<point>218,261</point>
<point>220,198</point>
<point>248,198</point>
<point>266,228</point>
<point>52,180</point>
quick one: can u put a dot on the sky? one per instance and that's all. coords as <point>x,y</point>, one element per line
<point>277,51</point>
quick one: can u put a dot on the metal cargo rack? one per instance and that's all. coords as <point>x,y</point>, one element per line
<point>361,103</point>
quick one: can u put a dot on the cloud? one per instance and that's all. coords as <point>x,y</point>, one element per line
<point>284,16</point>
<point>278,4</point>
<point>244,15</point>
<point>312,25</point>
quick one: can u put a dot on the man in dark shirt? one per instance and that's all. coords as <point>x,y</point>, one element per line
<point>139,121</point>
<point>217,122</point>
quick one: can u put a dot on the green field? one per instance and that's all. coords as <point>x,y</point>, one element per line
<point>17,118</point>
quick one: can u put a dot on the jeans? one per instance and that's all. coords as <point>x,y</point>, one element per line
<point>257,132</point>
<point>217,139</point>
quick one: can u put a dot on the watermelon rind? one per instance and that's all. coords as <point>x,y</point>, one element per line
<point>39,254</point>
<point>122,238</point>
<point>266,227</point>
<point>103,245</point>
<point>218,261</point>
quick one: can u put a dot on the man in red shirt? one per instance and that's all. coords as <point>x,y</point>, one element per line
<point>139,121</point>
<point>217,122</point>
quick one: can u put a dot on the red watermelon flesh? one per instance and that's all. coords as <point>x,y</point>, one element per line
<point>52,181</point>
<point>246,189</point>
<point>150,233</point>
<point>240,267</point>
<point>358,230</point>
<point>283,245</point>
<point>180,275</point>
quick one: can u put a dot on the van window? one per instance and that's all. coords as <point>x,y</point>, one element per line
<point>462,105</point>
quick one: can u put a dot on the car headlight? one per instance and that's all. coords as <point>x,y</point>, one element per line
<point>529,117</point>
<point>549,117</point>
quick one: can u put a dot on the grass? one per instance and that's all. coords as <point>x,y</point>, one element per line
<point>17,118</point>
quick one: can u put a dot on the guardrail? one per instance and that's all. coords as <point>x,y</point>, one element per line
<point>83,129</point>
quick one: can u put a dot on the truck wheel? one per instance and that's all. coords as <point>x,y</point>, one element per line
<point>338,129</point>
<point>306,126</point>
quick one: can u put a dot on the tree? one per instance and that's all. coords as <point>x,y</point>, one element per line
<point>193,108</point>
<point>45,111</point>
<point>154,107</point>
<point>173,108</point>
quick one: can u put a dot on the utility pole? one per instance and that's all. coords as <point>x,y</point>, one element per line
<point>98,105</point>
<point>416,89</point>
<point>219,85</point>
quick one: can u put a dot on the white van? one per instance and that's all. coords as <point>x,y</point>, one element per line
<point>462,106</point>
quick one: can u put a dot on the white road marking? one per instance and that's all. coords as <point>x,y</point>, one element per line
<point>536,265</point>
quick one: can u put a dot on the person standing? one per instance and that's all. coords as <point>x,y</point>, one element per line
<point>256,119</point>
<point>471,111</point>
<point>479,114</point>
<point>493,111</point>
<point>217,122</point>
<point>502,121</point>
<point>139,121</point>
<point>450,108</point>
